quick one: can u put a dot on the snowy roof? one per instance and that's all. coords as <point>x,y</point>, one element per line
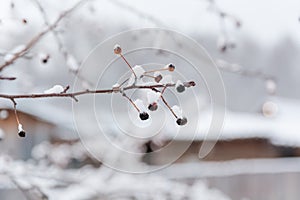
<point>231,168</point>
<point>282,129</point>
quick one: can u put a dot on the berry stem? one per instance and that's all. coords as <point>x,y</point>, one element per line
<point>128,64</point>
<point>16,114</point>
<point>169,107</point>
<point>156,70</point>
<point>130,100</point>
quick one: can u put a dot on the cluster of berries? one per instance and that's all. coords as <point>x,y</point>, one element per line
<point>158,78</point>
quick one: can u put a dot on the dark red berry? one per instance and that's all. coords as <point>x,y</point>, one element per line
<point>171,67</point>
<point>22,133</point>
<point>144,116</point>
<point>181,121</point>
<point>117,49</point>
<point>189,84</point>
<point>152,106</point>
<point>24,21</point>
<point>44,60</point>
<point>158,78</point>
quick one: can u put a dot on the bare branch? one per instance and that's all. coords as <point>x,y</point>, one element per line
<point>60,44</point>
<point>40,35</point>
<point>75,94</point>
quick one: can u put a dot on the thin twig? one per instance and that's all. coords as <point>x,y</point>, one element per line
<point>40,35</point>
<point>130,100</point>
<point>16,114</point>
<point>164,100</point>
<point>156,70</point>
<point>169,107</point>
<point>128,65</point>
<point>60,44</point>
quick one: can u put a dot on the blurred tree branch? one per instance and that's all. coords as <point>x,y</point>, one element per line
<point>66,54</point>
<point>40,35</point>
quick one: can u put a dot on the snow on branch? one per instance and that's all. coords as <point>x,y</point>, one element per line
<point>135,81</point>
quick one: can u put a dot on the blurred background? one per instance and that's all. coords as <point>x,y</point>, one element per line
<point>253,44</point>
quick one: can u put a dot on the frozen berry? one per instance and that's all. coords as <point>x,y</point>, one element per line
<point>158,78</point>
<point>181,121</point>
<point>189,84</point>
<point>117,49</point>
<point>144,116</point>
<point>24,21</point>
<point>180,88</point>
<point>22,133</point>
<point>152,106</point>
<point>45,59</point>
<point>171,67</point>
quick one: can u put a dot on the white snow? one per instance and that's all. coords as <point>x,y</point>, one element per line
<point>271,86</point>
<point>116,85</point>
<point>4,114</point>
<point>178,83</point>
<point>177,110</point>
<point>117,46</point>
<point>153,96</point>
<point>43,56</point>
<point>167,79</point>
<point>231,168</point>
<point>2,134</point>
<point>157,73</point>
<point>139,71</point>
<point>140,104</point>
<point>55,89</point>
<point>281,129</point>
<point>167,66</point>
<point>72,63</point>
<point>8,57</point>
<point>14,51</point>
<point>20,127</point>
<point>18,49</point>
